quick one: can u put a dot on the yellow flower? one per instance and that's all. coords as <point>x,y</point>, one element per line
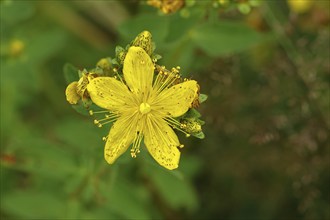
<point>167,6</point>
<point>143,109</point>
<point>300,6</point>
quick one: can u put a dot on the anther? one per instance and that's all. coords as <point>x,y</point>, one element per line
<point>91,112</point>
<point>133,153</point>
<point>187,135</point>
<point>183,125</point>
<point>96,121</point>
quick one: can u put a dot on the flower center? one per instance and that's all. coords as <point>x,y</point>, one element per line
<point>145,108</point>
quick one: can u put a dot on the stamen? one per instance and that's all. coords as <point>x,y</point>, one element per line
<point>177,125</point>
<point>105,138</point>
<point>91,112</point>
<point>111,117</point>
<point>166,78</point>
<point>136,145</point>
<point>115,70</point>
<point>168,81</point>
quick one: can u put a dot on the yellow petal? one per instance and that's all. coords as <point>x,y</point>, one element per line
<point>109,93</point>
<point>162,142</point>
<point>138,70</point>
<point>71,93</point>
<point>177,99</point>
<point>120,137</point>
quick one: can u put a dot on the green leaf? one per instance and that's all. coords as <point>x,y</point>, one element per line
<point>192,113</point>
<point>70,73</point>
<point>156,57</point>
<point>202,98</point>
<point>118,50</point>
<point>199,135</point>
<point>224,38</point>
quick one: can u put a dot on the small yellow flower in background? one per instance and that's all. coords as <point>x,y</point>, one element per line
<point>105,65</point>
<point>16,47</point>
<point>143,109</point>
<point>167,6</point>
<point>223,2</point>
<point>300,6</point>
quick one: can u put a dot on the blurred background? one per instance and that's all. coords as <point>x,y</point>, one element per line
<point>264,65</point>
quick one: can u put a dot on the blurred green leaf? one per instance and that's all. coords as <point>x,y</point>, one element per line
<point>157,25</point>
<point>174,189</point>
<point>44,45</point>
<point>75,182</point>
<point>180,27</point>
<point>13,12</point>
<point>33,205</point>
<point>39,156</point>
<point>97,213</point>
<point>224,37</point>
<point>125,202</point>
<point>180,53</point>
<point>73,209</point>
<point>21,76</point>
<point>82,135</point>
<point>190,165</point>
<point>70,73</point>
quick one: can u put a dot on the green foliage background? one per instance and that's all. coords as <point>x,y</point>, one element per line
<point>266,151</point>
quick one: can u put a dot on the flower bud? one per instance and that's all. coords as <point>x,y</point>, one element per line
<point>144,40</point>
